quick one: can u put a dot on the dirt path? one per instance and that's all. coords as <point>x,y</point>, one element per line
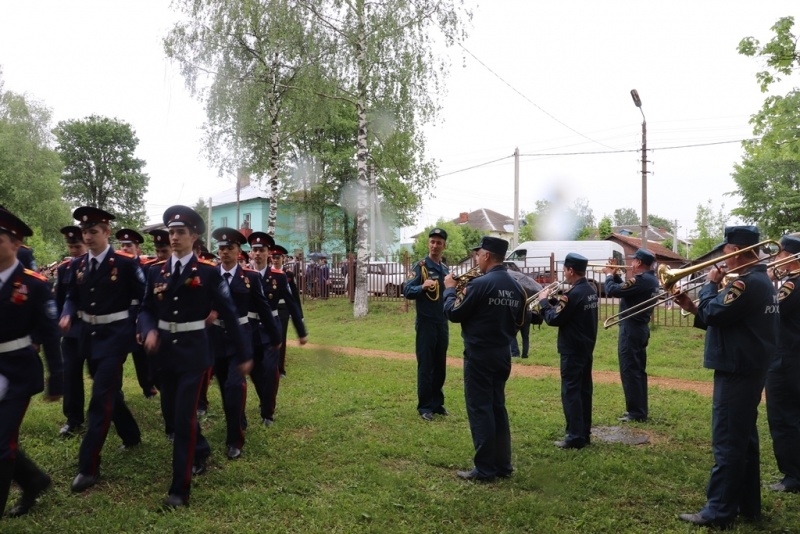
<point>530,371</point>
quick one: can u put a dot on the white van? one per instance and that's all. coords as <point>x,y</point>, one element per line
<point>543,259</point>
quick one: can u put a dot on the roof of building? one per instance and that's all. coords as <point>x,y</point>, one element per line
<point>653,234</point>
<point>486,220</point>
<point>228,196</point>
<point>661,252</point>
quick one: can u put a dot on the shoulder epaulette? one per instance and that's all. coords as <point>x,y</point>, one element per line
<point>124,254</point>
<point>249,270</point>
<point>206,262</point>
<point>158,262</point>
<point>65,261</point>
<point>23,245</point>
<point>274,270</point>
<point>35,275</point>
<point>421,263</point>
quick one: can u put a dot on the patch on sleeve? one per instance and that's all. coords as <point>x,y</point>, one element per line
<point>411,275</point>
<point>50,309</point>
<point>629,283</point>
<point>562,303</point>
<point>785,290</point>
<point>460,297</point>
<point>734,292</point>
<point>140,275</point>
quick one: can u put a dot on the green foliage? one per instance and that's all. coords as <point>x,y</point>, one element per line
<point>459,241</point>
<point>709,229</point>
<point>626,216</point>
<point>682,249</point>
<point>202,208</point>
<point>780,53</point>
<point>604,227</point>
<point>100,168</point>
<point>659,222</point>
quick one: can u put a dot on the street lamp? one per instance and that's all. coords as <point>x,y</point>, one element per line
<point>638,102</point>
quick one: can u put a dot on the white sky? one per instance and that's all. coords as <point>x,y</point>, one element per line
<point>575,60</point>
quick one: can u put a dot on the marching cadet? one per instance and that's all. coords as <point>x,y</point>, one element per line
<point>178,299</point>
<point>161,244</point>
<point>74,361</point>
<point>27,311</point>
<point>130,242</point>
<point>202,252</point>
<point>575,315</point>
<point>100,293</point>
<point>287,299</point>
<point>267,377</point>
<point>247,290</point>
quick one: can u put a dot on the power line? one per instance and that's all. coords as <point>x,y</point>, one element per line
<point>475,166</point>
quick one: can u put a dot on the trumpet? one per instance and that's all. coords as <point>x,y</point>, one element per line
<point>622,268</point>
<point>556,289</point>
<point>463,279</point>
<point>670,277</point>
<point>777,272</point>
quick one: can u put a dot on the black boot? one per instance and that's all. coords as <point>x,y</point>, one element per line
<point>6,474</point>
<point>33,482</point>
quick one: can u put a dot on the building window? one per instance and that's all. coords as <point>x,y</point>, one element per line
<point>246,221</point>
<point>223,222</point>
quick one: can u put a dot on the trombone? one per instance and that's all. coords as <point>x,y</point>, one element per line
<point>622,268</point>
<point>532,303</point>
<point>670,277</point>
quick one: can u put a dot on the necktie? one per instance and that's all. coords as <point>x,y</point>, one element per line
<point>177,271</point>
<point>93,268</point>
<point>227,278</point>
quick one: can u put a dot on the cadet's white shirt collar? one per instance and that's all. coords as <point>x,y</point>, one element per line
<point>184,260</point>
<point>100,257</point>
<point>5,275</point>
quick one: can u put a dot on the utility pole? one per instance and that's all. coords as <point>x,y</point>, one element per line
<point>516,199</point>
<point>675,237</point>
<point>638,102</point>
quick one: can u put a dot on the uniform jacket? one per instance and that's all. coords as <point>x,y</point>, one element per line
<point>276,286</point>
<point>789,337</point>
<point>117,283</point>
<point>634,291</point>
<point>741,323</point>
<point>430,304</point>
<point>198,290</point>
<point>27,308</point>
<point>64,273</point>
<point>490,309</point>
<point>293,288</point>
<point>575,313</point>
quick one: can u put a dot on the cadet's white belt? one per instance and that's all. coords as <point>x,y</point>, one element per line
<point>10,346</point>
<point>176,328</point>
<point>221,323</point>
<point>282,301</point>
<point>257,317</point>
<point>135,302</point>
<point>104,319</point>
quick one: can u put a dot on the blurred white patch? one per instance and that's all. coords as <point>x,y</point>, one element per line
<point>383,124</point>
<point>558,222</point>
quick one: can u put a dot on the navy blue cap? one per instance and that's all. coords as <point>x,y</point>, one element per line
<point>494,245</point>
<point>790,244</point>
<point>260,240</point>
<point>645,256</point>
<point>129,236</point>
<point>160,238</point>
<point>13,225</point>
<point>178,215</point>
<point>88,216</point>
<point>438,232</point>
<point>277,250</point>
<point>228,236</point>
<point>576,261</point>
<point>742,236</point>
<point>72,234</point>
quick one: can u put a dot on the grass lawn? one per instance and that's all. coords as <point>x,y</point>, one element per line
<point>348,452</point>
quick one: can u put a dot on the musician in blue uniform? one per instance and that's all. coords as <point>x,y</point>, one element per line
<point>27,312</point>
<point>74,360</point>
<point>783,377</point>
<point>490,309</point>
<point>266,374</point>
<point>634,330</point>
<point>425,286</point>
<point>178,299</point>
<point>130,242</point>
<point>574,312</point>
<point>254,313</point>
<point>742,326</point>
<point>100,293</point>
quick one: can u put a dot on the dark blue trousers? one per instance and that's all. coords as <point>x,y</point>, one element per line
<point>74,397</point>
<point>233,389</point>
<point>525,332</point>
<point>735,482</point>
<point>266,378</point>
<point>632,351</point>
<point>576,396</point>
<point>783,413</point>
<point>486,371</point>
<point>284,316</point>
<point>12,411</point>
<point>144,375</point>
<point>432,340</point>
<point>106,405</point>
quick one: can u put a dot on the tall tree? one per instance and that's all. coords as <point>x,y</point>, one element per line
<point>384,61</point>
<point>100,167</point>
<point>709,229</point>
<point>604,227</point>
<point>626,217</point>
<point>460,241</point>
<point>659,222</point>
<point>768,178</point>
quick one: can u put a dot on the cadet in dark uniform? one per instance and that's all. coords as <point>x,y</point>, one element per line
<point>247,290</point>
<point>130,242</point>
<point>742,328</point>
<point>74,360</point>
<point>574,312</point>
<point>783,377</point>
<point>634,331</point>
<point>178,299</point>
<point>27,312</point>
<point>161,244</point>
<point>104,284</point>
<point>424,285</point>
<point>288,301</point>
<point>490,309</point>
<point>25,256</point>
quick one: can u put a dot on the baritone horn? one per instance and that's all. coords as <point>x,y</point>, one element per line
<point>463,279</point>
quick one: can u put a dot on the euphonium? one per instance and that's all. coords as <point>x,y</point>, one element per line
<point>464,278</point>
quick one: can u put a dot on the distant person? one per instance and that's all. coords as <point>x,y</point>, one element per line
<point>742,325</point>
<point>490,309</point>
<point>634,330</point>
<point>531,287</point>
<point>425,286</point>
<point>575,314</point>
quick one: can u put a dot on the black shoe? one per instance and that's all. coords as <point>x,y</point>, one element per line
<point>505,474</point>
<point>781,487</point>
<point>700,521</point>
<point>200,467</point>
<point>443,412</point>
<point>28,499</point>
<point>175,501</point>
<point>628,418</point>
<point>234,452</point>
<point>524,355</point>
<point>268,422</point>
<point>171,437</point>
<point>129,446</point>
<point>82,482</point>
<point>201,412</point>
<point>68,430</point>
<point>151,393</point>
<point>283,374</point>
<point>427,416</point>
<point>473,475</point>
<point>515,355</point>
<point>574,444</point>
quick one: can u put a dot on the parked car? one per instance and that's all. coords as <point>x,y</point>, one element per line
<point>338,283</point>
<point>385,278</point>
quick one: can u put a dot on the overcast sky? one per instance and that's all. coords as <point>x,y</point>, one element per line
<point>547,77</point>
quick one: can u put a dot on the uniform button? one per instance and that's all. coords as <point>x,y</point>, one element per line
<point>93,333</point>
<point>91,290</point>
<point>174,341</point>
<point>92,304</point>
<point>175,312</point>
<point>174,298</point>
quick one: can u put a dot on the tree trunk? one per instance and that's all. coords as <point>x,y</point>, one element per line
<point>360,305</point>
<point>274,151</point>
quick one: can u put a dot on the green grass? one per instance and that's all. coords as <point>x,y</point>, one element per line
<point>348,453</point>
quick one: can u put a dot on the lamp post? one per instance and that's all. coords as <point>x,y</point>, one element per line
<point>638,102</point>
